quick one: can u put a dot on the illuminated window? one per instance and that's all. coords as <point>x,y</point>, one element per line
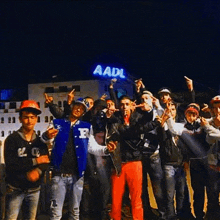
<point>2,133</point>
<point>9,119</point>
<point>2,120</point>
<point>46,118</point>
<point>13,120</point>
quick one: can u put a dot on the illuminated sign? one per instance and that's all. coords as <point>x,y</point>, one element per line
<point>109,72</point>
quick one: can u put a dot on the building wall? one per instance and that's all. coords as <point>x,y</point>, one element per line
<point>36,92</point>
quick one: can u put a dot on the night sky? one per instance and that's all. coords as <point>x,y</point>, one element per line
<point>160,41</point>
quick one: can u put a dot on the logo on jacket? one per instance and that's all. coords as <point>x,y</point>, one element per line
<point>21,152</point>
<point>84,132</point>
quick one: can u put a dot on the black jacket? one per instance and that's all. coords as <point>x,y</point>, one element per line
<point>170,153</point>
<point>19,155</point>
<point>131,137</point>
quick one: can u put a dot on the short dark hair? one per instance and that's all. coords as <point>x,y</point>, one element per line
<point>173,103</point>
<point>125,97</point>
<point>89,97</point>
<point>110,100</point>
<point>30,110</point>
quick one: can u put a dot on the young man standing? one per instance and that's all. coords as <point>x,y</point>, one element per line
<point>151,158</point>
<point>192,136</point>
<point>128,131</point>
<point>213,138</point>
<point>26,159</point>
<point>172,157</point>
<point>73,140</point>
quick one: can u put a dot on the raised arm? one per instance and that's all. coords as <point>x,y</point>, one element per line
<point>97,149</point>
<point>213,134</point>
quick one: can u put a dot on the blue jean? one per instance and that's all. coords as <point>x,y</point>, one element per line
<point>152,165</point>
<point>175,181</point>
<point>61,186</point>
<point>16,197</point>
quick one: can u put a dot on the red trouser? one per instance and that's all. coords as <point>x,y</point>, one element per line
<point>132,173</point>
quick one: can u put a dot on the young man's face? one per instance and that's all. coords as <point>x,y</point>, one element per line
<point>110,104</point>
<point>91,103</point>
<point>165,97</point>
<point>28,120</point>
<point>110,108</point>
<point>191,116</point>
<point>77,110</point>
<point>125,106</point>
<point>147,101</point>
<point>172,109</point>
<point>216,109</point>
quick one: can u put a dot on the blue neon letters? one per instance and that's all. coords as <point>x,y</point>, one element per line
<point>109,72</point>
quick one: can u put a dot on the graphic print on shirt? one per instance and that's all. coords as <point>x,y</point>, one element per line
<point>21,152</point>
<point>35,152</point>
<point>59,127</point>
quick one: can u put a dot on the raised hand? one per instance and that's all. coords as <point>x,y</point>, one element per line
<point>43,159</point>
<point>33,175</point>
<point>51,133</point>
<point>113,81</point>
<point>189,83</point>
<point>103,97</point>
<point>155,101</point>
<point>112,146</point>
<point>139,84</point>
<point>203,121</point>
<point>165,116</point>
<point>48,99</point>
<point>206,108</point>
<point>70,97</point>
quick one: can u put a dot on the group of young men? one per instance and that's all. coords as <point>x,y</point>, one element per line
<point>130,138</point>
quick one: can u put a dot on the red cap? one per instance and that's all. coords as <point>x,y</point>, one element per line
<point>215,99</point>
<point>193,107</point>
<point>30,105</point>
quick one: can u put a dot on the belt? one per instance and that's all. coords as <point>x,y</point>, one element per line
<point>66,174</point>
<point>62,174</point>
<point>11,188</point>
